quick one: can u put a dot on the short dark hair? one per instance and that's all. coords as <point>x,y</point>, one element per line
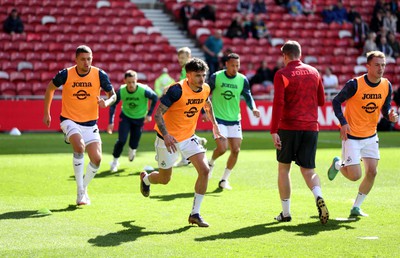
<point>83,49</point>
<point>292,49</point>
<point>232,56</point>
<point>130,73</point>
<point>373,54</point>
<point>196,65</point>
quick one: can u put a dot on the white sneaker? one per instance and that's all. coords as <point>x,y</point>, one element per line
<point>81,198</point>
<point>211,171</point>
<point>87,199</point>
<point>132,154</point>
<point>183,162</point>
<point>114,166</point>
<point>224,184</point>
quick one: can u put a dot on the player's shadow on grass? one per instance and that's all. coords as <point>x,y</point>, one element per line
<point>305,229</point>
<point>171,197</point>
<point>129,234</point>
<point>34,213</point>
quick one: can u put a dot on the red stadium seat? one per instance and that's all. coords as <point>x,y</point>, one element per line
<point>39,66</point>
<point>47,76</point>
<point>16,77</point>
<point>39,88</point>
<point>24,89</point>
<point>7,89</point>
<point>32,77</point>
<point>9,66</point>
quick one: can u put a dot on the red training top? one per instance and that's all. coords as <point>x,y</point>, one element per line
<point>298,91</point>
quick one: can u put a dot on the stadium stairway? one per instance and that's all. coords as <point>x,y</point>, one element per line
<point>171,31</point>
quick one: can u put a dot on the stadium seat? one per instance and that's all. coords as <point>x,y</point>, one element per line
<point>9,66</point>
<point>4,75</point>
<point>24,89</point>
<point>8,89</point>
<point>26,47</point>
<point>18,56</point>
<point>16,77</point>
<point>359,69</point>
<point>39,66</point>
<point>102,3</point>
<point>32,77</point>
<point>25,65</point>
<point>39,88</point>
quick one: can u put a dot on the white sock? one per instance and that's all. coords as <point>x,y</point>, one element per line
<point>91,171</point>
<point>211,162</point>
<point>316,190</point>
<point>78,162</point>
<point>359,200</point>
<point>198,198</point>
<point>146,180</point>
<point>338,164</point>
<point>116,160</point>
<point>226,174</point>
<point>285,207</point>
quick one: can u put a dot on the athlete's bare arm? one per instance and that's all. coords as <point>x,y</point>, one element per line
<point>48,98</point>
<point>169,140</point>
<point>208,108</point>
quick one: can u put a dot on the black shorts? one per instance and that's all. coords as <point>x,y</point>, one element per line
<point>298,146</point>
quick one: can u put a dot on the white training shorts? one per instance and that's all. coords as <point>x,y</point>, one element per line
<point>231,131</point>
<point>187,147</point>
<point>354,150</point>
<point>89,133</point>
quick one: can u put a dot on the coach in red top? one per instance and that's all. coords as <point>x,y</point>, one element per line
<point>294,128</point>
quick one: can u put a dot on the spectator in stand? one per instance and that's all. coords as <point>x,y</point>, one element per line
<point>328,15</point>
<point>263,75</point>
<point>260,29</point>
<point>376,21</point>
<point>390,21</point>
<point>282,3</point>
<point>360,32</point>
<point>392,6</point>
<point>250,71</point>
<point>330,80</point>
<point>162,81</point>
<point>13,24</point>
<point>353,14</point>
<point>384,47</point>
<point>279,65</point>
<point>309,8</point>
<point>207,12</point>
<point>378,7</point>
<point>394,44</point>
<point>244,7</point>
<point>294,8</point>
<point>370,43</point>
<point>259,7</point>
<point>248,28</point>
<point>187,12</point>
<point>224,58</point>
<point>381,33</point>
<point>212,48</point>
<point>235,29</point>
<point>340,13</point>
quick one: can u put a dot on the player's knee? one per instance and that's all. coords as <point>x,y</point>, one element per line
<point>96,160</point>
<point>372,173</point>
<point>80,148</point>
<point>235,151</point>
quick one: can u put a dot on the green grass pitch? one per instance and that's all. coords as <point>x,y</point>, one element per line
<point>36,173</point>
